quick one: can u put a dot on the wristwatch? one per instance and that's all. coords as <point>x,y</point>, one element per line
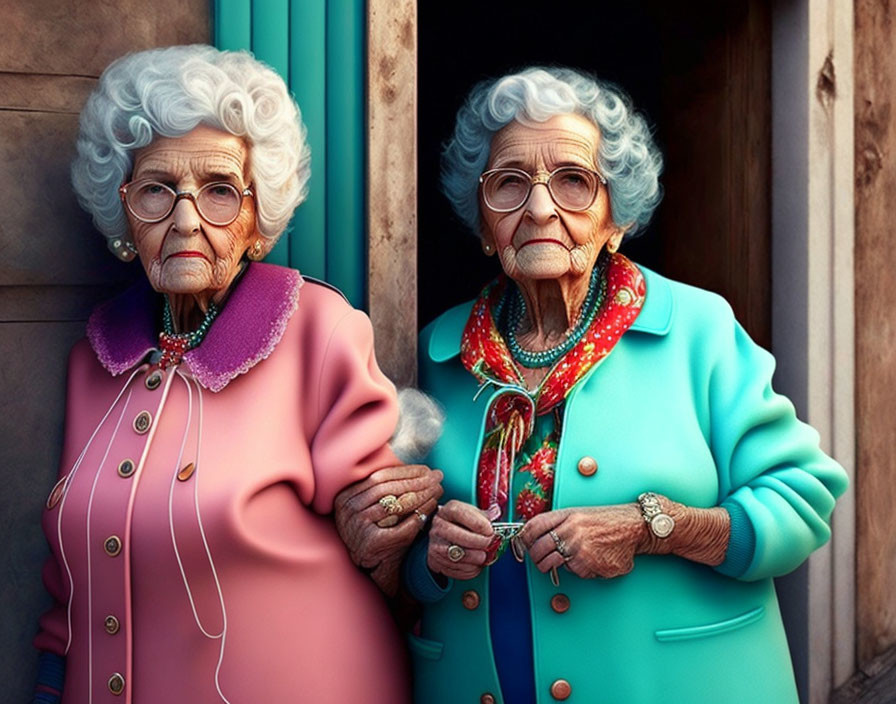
<point>661,523</point>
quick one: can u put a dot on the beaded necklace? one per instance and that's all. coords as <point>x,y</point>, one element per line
<point>175,344</point>
<point>597,289</point>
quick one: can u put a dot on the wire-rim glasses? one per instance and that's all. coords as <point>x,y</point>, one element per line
<point>218,203</point>
<point>573,188</point>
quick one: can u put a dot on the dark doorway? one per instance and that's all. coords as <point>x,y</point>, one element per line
<point>701,74</point>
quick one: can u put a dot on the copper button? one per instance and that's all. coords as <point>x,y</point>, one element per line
<point>186,472</point>
<point>487,698</point>
<point>587,466</point>
<point>470,600</point>
<point>561,689</point>
<point>116,684</point>
<point>560,603</point>
<point>142,422</point>
<point>126,468</point>
<point>111,625</point>
<point>153,380</point>
<point>112,545</point>
<point>56,494</point>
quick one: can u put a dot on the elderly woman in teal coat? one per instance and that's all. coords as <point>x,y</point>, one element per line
<point>621,481</point>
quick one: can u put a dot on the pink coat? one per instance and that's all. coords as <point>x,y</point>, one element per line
<point>225,581</point>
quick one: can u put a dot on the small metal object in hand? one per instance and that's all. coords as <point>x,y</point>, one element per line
<point>391,504</point>
<point>456,553</point>
<point>661,523</point>
<point>419,514</point>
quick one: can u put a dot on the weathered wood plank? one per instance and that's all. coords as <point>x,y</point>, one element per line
<point>392,184</point>
<point>71,37</point>
<point>44,93</point>
<point>875,264</point>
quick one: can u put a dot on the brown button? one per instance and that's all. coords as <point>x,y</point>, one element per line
<point>487,698</point>
<point>587,466</point>
<point>153,380</point>
<point>561,689</point>
<point>560,603</point>
<point>470,600</point>
<point>186,472</point>
<point>142,422</point>
<point>111,625</point>
<point>116,684</point>
<point>112,545</point>
<point>126,468</point>
<point>56,494</point>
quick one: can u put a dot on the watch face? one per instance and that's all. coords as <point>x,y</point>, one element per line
<point>662,525</point>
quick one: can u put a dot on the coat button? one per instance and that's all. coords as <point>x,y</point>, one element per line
<point>587,466</point>
<point>112,546</point>
<point>561,689</point>
<point>560,603</point>
<point>153,380</point>
<point>56,494</point>
<point>111,625</point>
<point>470,600</point>
<point>487,698</point>
<point>116,684</point>
<point>142,422</point>
<point>126,468</point>
<point>186,472</point>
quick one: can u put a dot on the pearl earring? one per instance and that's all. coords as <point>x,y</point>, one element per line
<point>123,249</point>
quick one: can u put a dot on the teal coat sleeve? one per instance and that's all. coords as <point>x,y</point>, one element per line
<point>779,487</point>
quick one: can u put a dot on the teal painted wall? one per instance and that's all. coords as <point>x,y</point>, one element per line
<point>318,46</point>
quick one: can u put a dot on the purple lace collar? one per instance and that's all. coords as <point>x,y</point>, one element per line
<point>123,331</point>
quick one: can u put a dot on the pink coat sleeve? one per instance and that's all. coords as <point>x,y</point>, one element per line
<point>358,410</point>
<point>52,635</point>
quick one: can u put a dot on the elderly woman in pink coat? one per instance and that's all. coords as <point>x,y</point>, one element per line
<point>214,413</point>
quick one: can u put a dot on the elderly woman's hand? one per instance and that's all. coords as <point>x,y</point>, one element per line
<point>459,540</point>
<point>602,541</point>
<point>379,517</point>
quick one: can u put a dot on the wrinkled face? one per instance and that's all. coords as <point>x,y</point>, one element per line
<point>541,240</point>
<point>184,254</point>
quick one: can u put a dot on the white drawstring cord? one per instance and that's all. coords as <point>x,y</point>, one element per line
<point>223,634</point>
<point>68,479</point>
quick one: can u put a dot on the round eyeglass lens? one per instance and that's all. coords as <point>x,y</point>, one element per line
<point>219,203</point>
<point>573,188</point>
<point>150,200</point>
<point>506,190</point>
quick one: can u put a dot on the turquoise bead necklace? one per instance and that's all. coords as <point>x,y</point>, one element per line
<point>192,339</point>
<point>597,288</point>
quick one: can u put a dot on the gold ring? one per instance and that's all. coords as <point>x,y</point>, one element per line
<point>391,504</point>
<point>456,553</point>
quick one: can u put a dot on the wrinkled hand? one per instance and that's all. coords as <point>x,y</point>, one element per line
<point>460,524</point>
<point>599,541</point>
<point>377,537</point>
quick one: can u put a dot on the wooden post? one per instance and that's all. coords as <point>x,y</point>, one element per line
<point>392,184</point>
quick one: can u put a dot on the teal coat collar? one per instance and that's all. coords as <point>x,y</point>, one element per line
<point>655,318</point>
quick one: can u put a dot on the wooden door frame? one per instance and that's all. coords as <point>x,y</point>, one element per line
<point>813,284</point>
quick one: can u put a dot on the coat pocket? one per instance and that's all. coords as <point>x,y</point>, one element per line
<point>425,648</point>
<point>711,629</point>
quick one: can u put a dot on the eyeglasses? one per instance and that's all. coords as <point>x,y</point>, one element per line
<point>572,187</point>
<point>150,201</point>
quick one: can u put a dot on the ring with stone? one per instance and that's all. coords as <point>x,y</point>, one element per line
<point>456,553</point>
<point>422,516</point>
<point>560,545</point>
<point>391,505</point>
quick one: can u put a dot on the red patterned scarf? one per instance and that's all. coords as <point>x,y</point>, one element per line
<point>510,418</point>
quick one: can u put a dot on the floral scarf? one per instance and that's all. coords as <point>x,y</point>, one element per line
<point>510,418</point>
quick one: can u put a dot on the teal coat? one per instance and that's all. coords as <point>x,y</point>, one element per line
<point>683,406</point>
